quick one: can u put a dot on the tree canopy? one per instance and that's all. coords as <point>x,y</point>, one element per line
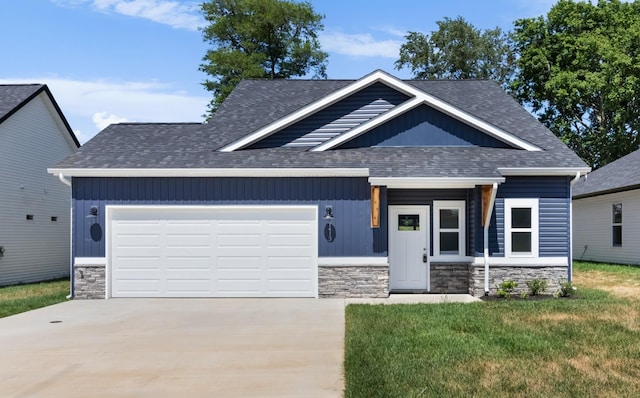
<point>457,50</point>
<point>579,72</point>
<point>273,39</point>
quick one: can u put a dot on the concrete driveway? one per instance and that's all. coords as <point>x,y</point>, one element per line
<point>175,348</point>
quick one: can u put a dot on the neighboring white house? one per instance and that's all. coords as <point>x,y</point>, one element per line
<point>606,213</point>
<point>34,205</point>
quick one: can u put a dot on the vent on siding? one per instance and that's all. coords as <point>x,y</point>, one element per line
<point>30,217</point>
<point>336,119</point>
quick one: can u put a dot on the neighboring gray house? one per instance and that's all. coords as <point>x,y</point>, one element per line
<point>606,208</point>
<point>34,206</point>
<point>325,188</point>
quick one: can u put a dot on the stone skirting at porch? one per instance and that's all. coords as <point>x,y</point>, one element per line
<point>89,281</point>
<point>337,281</point>
<point>449,278</point>
<point>518,273</point>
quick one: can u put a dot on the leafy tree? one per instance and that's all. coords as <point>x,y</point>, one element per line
<point>457,50</point>
<point>579,72</point>
<point>274,39</point>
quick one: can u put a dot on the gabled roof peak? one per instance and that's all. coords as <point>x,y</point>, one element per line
<point>416,98</point>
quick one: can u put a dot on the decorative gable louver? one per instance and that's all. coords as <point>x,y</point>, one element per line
<point>336,119</point>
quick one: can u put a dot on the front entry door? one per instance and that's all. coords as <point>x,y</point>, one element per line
<point>409,248</point>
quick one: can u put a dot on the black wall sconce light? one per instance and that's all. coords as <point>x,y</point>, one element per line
<point>93,212</point>
<point>95,231</point>
<point>329,230</point>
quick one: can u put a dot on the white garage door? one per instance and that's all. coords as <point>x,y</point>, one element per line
<point>212,251</point>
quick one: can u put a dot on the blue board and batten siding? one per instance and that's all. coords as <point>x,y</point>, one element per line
<point>424,126</point>
<point>349,196</point>
<point>554,201</point>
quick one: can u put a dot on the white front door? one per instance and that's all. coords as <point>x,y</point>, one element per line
<point>409,247</point>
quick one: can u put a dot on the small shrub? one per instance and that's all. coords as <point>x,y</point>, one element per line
<point>566,289</point>
<point>524,295</point>
<point>505,289</point>
<point>537,286</point>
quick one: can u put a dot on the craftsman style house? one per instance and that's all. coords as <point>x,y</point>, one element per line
<point>325,188</point>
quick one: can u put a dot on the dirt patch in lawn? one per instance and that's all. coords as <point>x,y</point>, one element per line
<point>613,283</point>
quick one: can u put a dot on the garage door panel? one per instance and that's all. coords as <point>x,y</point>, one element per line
<point>289,263</point>
<point>282,240</point>
<point>133,263</point>
<point>131,240</point>
<point>186,252</point>
<point>142,287</point>
<point>239,240</point>
<point>233,263</point>
<point>188,286</point>
<point>240,286</point>
<point>188,263</point>
<point>188,240</point>
<point>290,286</point>
<point>180,251</point>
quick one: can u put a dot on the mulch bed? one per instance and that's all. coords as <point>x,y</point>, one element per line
<point>516,297</point>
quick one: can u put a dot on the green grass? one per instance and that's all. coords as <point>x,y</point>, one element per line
<point>21,298</point>
<point>584,346</point>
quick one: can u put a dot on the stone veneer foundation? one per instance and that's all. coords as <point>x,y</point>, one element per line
<point>353,281</point>
<point>518,273</point>
<point>89,281</point>
<point>449,278</point>
<point>333,281</point>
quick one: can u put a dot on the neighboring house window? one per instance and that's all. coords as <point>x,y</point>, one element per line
<point>521,227</point>
<point>617,224</point>
<point>448,228</point>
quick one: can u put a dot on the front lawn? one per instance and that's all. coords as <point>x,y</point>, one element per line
<point>27,297</point>
<point>589,346</point>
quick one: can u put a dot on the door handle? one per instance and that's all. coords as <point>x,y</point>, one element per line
<point>424,257</point>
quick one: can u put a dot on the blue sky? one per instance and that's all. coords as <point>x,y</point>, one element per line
<point>109,61</point>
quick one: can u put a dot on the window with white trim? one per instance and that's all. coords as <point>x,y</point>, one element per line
<point>616,224</point>
<point>521,227</point>
<point>449,228</point>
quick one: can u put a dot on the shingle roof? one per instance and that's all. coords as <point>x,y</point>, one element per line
<point>619,175</point>
<point>15,96</point>
<point>12,96</point>
<point>256,103</point>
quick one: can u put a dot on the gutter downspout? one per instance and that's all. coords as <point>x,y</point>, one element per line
<point>487,221</point>
<point>570,256</point>
<point>68,183</point>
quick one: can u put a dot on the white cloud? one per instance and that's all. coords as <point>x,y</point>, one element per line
<point>177,14</point>
<point>88,105</point>
<point>359,45</point>
<point>102,120</point>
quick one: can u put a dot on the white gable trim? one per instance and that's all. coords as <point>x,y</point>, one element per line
<point>433,182</point>
<point>366,81</point>
<point>419,97</point>
<point>222,172</point>
<point>364,127</point>
<point>424,98</point>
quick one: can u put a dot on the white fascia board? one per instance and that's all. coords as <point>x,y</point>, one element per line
<point>543,171</point>
<point>376,76</point>
<point>222,172</point>
<point>377,121</point>
<point>433,182</point>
